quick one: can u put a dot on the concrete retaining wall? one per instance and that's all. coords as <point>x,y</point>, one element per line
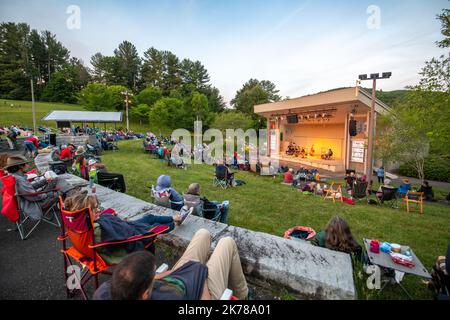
<point>309,271</point>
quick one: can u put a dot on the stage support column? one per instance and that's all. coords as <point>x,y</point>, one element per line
<point>366,156</point>
<point>346,143</point>
<point>268,137</point>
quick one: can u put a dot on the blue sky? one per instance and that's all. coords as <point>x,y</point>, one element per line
<point>302,46</point>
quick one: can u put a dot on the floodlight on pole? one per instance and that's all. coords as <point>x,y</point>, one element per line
<point>371,129</point>
<point>127,101</point>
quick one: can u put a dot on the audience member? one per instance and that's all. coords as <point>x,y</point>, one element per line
<point>220,208</point>
<point>288,176</point>
<point>164,183</point>
<point>337,236</point>
<point>109,227</point>
<point>193,277</point>
<point>427,191</point>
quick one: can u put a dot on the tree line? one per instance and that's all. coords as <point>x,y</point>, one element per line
<point>166,90</point>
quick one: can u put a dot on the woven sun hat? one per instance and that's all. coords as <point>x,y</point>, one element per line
<point>80,151</point>
<point>92,162</point>
<point>15,161</point>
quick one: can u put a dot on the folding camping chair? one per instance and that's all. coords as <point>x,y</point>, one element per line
<point>78,227</point>
<point>221,177</point>
<point>113,181</point>
<point>389,195</point>
<point>332,191</point>
<point>201,211</point>
<point>414,198</point>
<point>177,162</point>
<point>11,208</point>
<point>359,190</point>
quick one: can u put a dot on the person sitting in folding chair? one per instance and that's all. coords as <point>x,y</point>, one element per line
<point>223,176</point>
<point>26,203</point>
<point>33,204</point>
<point>427,191</point>
<point>177,162</point>
<point>194,276</point>
<point>404,188</point>
<point>164,184</point>
<point>108,227</point>
<point>359,190</point>
<point>212,210</point>
<point>387,193</point>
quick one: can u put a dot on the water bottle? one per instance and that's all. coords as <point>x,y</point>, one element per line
<point>91,182</point>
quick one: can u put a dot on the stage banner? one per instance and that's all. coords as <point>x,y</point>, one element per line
<point>358,150</point>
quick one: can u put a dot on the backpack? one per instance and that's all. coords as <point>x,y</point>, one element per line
<point>58,167</point>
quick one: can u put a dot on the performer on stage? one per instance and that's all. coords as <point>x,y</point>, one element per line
<point>327,155</point>
<point>311,152</point>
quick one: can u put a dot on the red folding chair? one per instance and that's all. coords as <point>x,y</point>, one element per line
<point>12,210</point>
<point>78,227</point>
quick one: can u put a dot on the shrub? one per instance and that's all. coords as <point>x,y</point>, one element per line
<point>435,168</point>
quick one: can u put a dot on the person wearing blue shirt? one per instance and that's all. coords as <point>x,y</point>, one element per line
<point>164,183</point>
<point>404,187</point>
<point>380,175</point>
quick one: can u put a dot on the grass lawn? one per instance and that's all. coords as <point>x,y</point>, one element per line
<point>263,204</point>
<point>21,113</point>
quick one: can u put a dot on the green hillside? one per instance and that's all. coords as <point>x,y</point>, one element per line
<point>19,112</point>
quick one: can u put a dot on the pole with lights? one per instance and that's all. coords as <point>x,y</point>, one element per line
<point>374,77</point>
<point>127,101</point>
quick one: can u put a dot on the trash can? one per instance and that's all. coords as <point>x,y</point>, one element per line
<point>52,139</point>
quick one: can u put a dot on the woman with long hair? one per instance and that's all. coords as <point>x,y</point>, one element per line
<point>109,227</point>
<point>337,236</point>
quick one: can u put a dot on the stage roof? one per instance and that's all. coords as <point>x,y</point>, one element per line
<point>84,116</point>
<point>329,98</point>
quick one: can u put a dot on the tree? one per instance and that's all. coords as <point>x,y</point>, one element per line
<point>232,120</point>
<point>407,140</point>
<point>444,18</point>
<point>194,76</point>
<point>153,68</point>
<point>140,112</point>
<point>57,54</point>
<point>199,103</point>
<point>252,93</point>
<point>149,96</point>
<point>215,100</point>
<point>118,99</point>
<point>167,113</point>
<point>432,97</point>
<point>171,76</point>
<point>129,63</point>
<point>14,58</point>
<point>60,88</point>
<point>96,97</point>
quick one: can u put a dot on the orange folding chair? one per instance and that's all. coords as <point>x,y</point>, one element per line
<point>12,210</point>
<point>78,227</point>
<point>414,198</point>
<point>332,192</point>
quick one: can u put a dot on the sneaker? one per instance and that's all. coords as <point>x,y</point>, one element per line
<point>185,212</point>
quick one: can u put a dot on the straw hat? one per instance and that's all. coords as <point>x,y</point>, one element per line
<point>16,160</point>
<point>92,162</point>
<point>80,151</point>
<point>406,181</point>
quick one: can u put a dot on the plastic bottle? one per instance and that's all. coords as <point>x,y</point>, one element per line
<point>91,182</point>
